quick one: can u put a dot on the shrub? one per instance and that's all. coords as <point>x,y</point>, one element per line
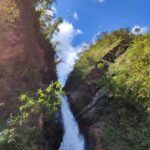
<point>24,128</point>
<point>100,65</point>
<point>9,11</point>
<point>131,73</point>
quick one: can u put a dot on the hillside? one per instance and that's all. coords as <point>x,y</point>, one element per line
<point>26,64</point>
<point>109,92</point>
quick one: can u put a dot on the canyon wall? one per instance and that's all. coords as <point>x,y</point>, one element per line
<point>26,57</point>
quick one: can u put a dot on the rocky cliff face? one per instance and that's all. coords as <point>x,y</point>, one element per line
<point>86,96</point>
<point>26,58</point>
<point>108,92</point>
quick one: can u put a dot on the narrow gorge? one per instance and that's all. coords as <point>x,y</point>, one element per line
<point>74,75</point>
<point>72,138</point>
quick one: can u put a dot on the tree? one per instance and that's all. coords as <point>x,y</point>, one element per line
<point>26,129</point>
<point>48,21</point>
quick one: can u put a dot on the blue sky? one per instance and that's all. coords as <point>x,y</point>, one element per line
<point>83,19</point>
<point>93,16</point>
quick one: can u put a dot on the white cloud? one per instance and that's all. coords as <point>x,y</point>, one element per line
<point>101,1</point>
<point>75,16</point>
<point>79,31</point>
<point>67,54</point>
<point>137,30</point>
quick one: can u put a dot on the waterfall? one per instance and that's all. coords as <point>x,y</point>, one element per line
<point>67,55</point>
<point>72,140</point>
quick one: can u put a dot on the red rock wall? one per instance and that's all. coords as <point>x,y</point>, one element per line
<point>26,58</point>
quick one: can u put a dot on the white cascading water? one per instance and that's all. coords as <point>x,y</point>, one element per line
<point>67,56</point>
<point>72,139</point>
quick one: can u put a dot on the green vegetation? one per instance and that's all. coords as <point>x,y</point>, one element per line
<point>127,125</point>
<point>131,72</point>
<point>129,80</point>
<point>9,12</point>
<point>100,65</point>
<point>125,111</point>
<point>48,22</point>
<point>26,129</point>
<point>29,125</point>
<point>104,44</point>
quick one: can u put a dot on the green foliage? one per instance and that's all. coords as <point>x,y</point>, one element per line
<point>131,72</point>
<point>125,111</point>
<point>48,99</point>
<point>105,42</point>
<point>127,125</point>
<point>129,80</point>
<point>9,12</point>
<point>7,137</point>
<point>100,65</point>
<point>23,129</point>
<point>47,19</point>
<point>115,35</point>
